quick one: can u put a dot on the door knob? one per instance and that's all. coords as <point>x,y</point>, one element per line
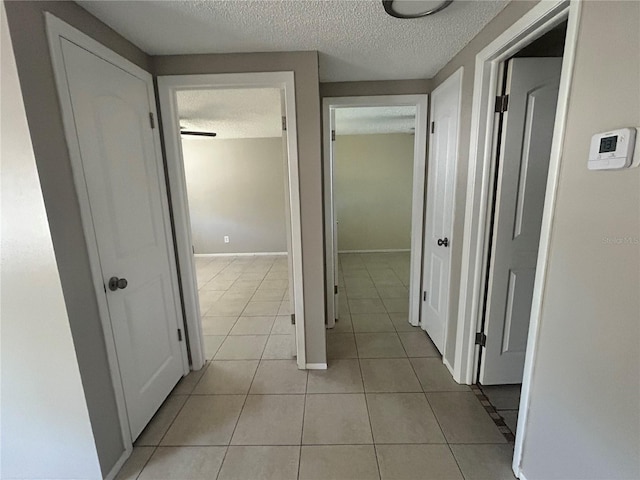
<point>116,283</point>
<point>443,242</point>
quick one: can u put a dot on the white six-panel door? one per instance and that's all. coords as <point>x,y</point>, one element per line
<point>443,153</point>
<point>532,86</point>
<point>124,183</point>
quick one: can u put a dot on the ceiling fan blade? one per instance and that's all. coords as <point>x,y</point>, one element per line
<point>198,134</point>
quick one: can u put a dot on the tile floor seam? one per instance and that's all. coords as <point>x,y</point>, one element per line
<point>155,449</point>
<point>235,426</point>
<point>366,403</point>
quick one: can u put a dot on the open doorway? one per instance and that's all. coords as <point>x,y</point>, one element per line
<point>374,184</point>
<point>526,107</point>
<point>235,173</point>
<point>232,164</point>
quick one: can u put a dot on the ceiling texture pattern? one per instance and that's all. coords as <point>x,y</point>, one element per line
<point>373,120</point>
<point>238,113</point>
<point>356,39</point>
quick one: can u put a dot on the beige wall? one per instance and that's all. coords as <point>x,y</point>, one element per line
<point>373,191</point>
<point>28,34</point>
<point>385,87</point>
<point>466,58</point>
<point>305,68</point>
<point>236,188</point>
<point>585,398</point>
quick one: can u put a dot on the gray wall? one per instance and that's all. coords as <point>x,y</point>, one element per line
<point>27,28</point>
<point>373,191</point>
<point>45,430</point>
<point>385,87</point>
<point>585,398</point>
<point>305,68</point>
<point>236,188</point>
<point>466,58</point>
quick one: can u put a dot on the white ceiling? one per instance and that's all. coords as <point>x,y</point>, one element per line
<point>371,120</point>
<point>356,39</point>
<point>240,113</point>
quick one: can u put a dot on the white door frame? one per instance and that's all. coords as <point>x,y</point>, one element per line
<point>419,101</point>
<point>56,30</point>
<point>167,88</point>
<point>539,20</point>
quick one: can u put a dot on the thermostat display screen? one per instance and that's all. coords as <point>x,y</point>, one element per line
<point>608,144</point>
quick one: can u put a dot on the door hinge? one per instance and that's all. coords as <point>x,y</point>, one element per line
<point>193,249</point>
<point>284,124</point>
<point>502,103</point>
<point>179,335</point>
<point>335,289</point>
<point>481,339</point>
<point>424,296</point>
<point>293,319</point>
<point>333,135</point>
<point>433,127</point>
<point>152,120</point>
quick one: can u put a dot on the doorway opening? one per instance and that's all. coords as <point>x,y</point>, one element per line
<point>527,100</point>
<point>232,165</point>
<point>374,189</point>
<point>235,172</point>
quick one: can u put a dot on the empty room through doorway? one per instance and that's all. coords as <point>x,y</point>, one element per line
<point>373,180</point>
<point>236,180</point>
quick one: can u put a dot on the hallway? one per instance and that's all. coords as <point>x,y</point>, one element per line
<point>386,408</point>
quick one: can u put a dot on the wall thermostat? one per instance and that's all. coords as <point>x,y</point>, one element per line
<point>613,150</point>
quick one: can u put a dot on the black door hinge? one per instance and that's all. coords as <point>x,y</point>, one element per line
<point>293,319</point>
<point>481,339</point>
<point>335,289</point>
<point>333,135</point>
<point>152,120</point>
<point>502,103</point>
<point>179,335</point>
<point>433,127</point>
<point>284,124</point>
<point>424,296</point>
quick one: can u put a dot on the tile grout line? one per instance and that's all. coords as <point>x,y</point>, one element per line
<point>304,411</point>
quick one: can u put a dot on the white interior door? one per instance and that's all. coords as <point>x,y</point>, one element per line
<point>532,85</point>
<point>443,153</point>
<point>126,190</point>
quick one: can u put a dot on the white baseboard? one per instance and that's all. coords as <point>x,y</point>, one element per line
<point>254,254</point>
<point>316,366</point>
<point>388,250</point>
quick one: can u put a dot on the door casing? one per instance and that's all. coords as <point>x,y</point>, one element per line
<point>167,88</point>
<point>329,104</point>
<point>543,17</point>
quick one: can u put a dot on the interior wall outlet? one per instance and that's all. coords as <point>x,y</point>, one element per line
<point>226,239</point>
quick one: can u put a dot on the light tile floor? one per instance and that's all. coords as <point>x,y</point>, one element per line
<point>386,408</point>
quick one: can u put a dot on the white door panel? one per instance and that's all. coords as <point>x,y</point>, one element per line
<point>532,86</point>
<point>125,185</point>
<point>443,153</point>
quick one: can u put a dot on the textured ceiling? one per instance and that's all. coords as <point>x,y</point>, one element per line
<point>356,39</point>
<point>370,120</point>
<point>241,113</point>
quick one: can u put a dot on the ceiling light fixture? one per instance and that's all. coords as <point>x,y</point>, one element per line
<point>414,8</point>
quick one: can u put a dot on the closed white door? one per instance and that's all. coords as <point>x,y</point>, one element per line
<point>126,190</point>
<point>532,86</point>
<point>443,156</point>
